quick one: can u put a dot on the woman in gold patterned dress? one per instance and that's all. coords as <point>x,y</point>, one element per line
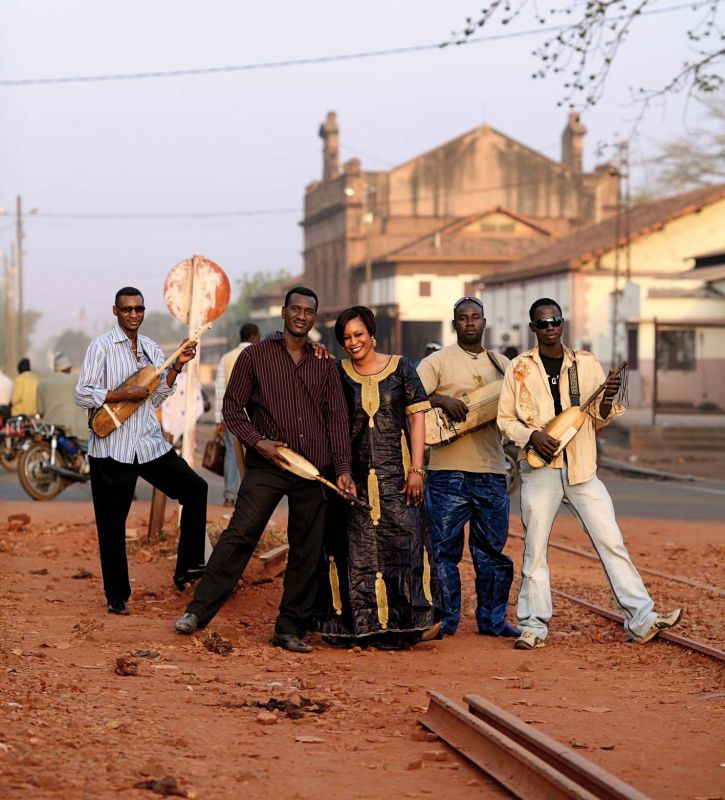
<point>380,587</point>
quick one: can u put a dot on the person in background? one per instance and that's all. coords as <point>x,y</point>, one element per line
<point>467,479</point>
<point>430,347</point>
<point>233,464</point>
<point>6,392</point>
<point>24,399</point>
<point>56,400</point>
<point>510,352</point>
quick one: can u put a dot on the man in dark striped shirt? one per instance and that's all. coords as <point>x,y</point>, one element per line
<point>280,393</point>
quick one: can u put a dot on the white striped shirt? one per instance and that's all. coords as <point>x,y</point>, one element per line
<point>109,361</point>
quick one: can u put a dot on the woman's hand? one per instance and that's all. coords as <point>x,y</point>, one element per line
<point>321,351</point>
<point>413,489</point>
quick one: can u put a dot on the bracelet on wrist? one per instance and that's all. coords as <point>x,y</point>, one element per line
<point>418,471</point>
<point>607,400</point>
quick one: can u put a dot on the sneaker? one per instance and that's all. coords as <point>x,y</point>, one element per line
<point>528,641</point>
<point>661,624</point>
<point>187,624</point>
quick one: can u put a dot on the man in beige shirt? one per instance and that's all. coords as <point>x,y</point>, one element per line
<point>57,402</point>
<point>466,479</point>
<point>540,384</point>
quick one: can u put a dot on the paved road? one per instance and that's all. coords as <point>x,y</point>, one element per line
<point>633,496</point>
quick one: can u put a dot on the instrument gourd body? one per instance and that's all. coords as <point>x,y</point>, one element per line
<point>565,426</point>
<point>111,416</point>
<point>482,404</point>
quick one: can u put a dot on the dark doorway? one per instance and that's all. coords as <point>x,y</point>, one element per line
<point>416,335</point>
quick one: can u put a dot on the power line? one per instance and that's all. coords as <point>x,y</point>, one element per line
<point>303,62</point>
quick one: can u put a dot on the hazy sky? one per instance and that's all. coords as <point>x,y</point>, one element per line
<point>248,141</point>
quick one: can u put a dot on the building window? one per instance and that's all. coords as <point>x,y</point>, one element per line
<point>676,349</point>
<point>633,346</point>
<point>424,288</point>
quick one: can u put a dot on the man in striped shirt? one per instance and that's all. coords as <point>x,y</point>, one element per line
<point>294,399</point>
<point>136,448</point>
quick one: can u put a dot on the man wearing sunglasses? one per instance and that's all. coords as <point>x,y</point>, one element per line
<point>136,448</point>
<point>538,385</point>
<point>466,481</point>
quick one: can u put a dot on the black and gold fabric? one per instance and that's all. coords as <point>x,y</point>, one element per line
<point>378,577</point>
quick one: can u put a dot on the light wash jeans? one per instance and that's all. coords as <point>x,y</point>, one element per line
<point>231,468</point>
<point>542,491</point>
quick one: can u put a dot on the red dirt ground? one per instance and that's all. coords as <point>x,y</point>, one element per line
<point>73,728</point>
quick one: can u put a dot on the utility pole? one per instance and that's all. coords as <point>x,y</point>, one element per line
<point>8,322</point>
<point>623,173</point>
<point>19,236</point>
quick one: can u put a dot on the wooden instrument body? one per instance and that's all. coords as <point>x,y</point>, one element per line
<point>563,428</point>
<point>112,415</point>
<point>482,404</point>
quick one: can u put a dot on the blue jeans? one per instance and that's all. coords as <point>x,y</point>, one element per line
<point>542,491</point>
<point>231,468</point>
<point>453,499</point>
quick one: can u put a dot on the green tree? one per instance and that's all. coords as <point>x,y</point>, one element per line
<point>239,309</point>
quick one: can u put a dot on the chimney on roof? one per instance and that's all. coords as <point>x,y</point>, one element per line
<point>572,142</point>
<point>330,135</point>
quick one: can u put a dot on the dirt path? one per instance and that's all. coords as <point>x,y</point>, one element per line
<point>345,723</point>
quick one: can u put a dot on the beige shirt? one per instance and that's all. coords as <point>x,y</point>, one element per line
<point>527,405</point>
<point>451,372</point>
<point>57,404</point>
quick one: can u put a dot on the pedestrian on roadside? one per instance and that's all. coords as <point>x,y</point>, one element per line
<point>24,399</point>
<point>56,400</point>
<point>136,448</point>
<point>467,478</point>
<point>233,463</point>
<point>280,394</point>
<point>538,385</point>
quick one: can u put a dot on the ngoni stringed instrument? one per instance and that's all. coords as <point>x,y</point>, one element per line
<point>300,466</point>
<point>482,405</point>
<point>566,425</point>
<point>110,416</point>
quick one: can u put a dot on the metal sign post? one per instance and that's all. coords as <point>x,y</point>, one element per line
<point>196,291</point>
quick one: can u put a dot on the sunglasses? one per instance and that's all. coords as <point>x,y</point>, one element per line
<point>131,309</point>
<point>543,324</point>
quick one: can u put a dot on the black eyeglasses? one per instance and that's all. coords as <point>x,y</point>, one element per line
<point>468,299</point>
<point>131,309</point>
<point>543,324</point>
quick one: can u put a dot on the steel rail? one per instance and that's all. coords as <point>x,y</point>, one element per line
<point>525,765</point>
<point>669,636</point>
<point>686,581</point>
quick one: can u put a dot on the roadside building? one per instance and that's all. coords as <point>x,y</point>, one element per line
<point>669,301</point>
<point>410,240</point>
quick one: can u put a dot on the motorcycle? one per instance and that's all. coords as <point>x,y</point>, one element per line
<point>50,461</point>
<point>13,433</point>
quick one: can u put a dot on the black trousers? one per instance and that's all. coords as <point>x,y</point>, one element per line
<point>263,487</point>
<point>113,484</point>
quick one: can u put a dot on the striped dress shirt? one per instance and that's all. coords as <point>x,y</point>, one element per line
<point>109,361</point>
<point>300,404</point>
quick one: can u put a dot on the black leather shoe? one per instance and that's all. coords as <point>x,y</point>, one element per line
<point>118,607</point>
<point>291,642</point>
<point>507,630</point>
<point>187,624</point>
<point>191,575</point>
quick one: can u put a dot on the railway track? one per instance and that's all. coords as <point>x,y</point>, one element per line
<point>676,578</point>
<point>527,762</point>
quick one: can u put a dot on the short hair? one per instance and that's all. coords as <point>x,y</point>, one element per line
<point>127,291</point>
<point>24,365</point>
<point>364,314</point>
<point>248,330</point>
<point>303,290</point>
<point>543,301</point>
